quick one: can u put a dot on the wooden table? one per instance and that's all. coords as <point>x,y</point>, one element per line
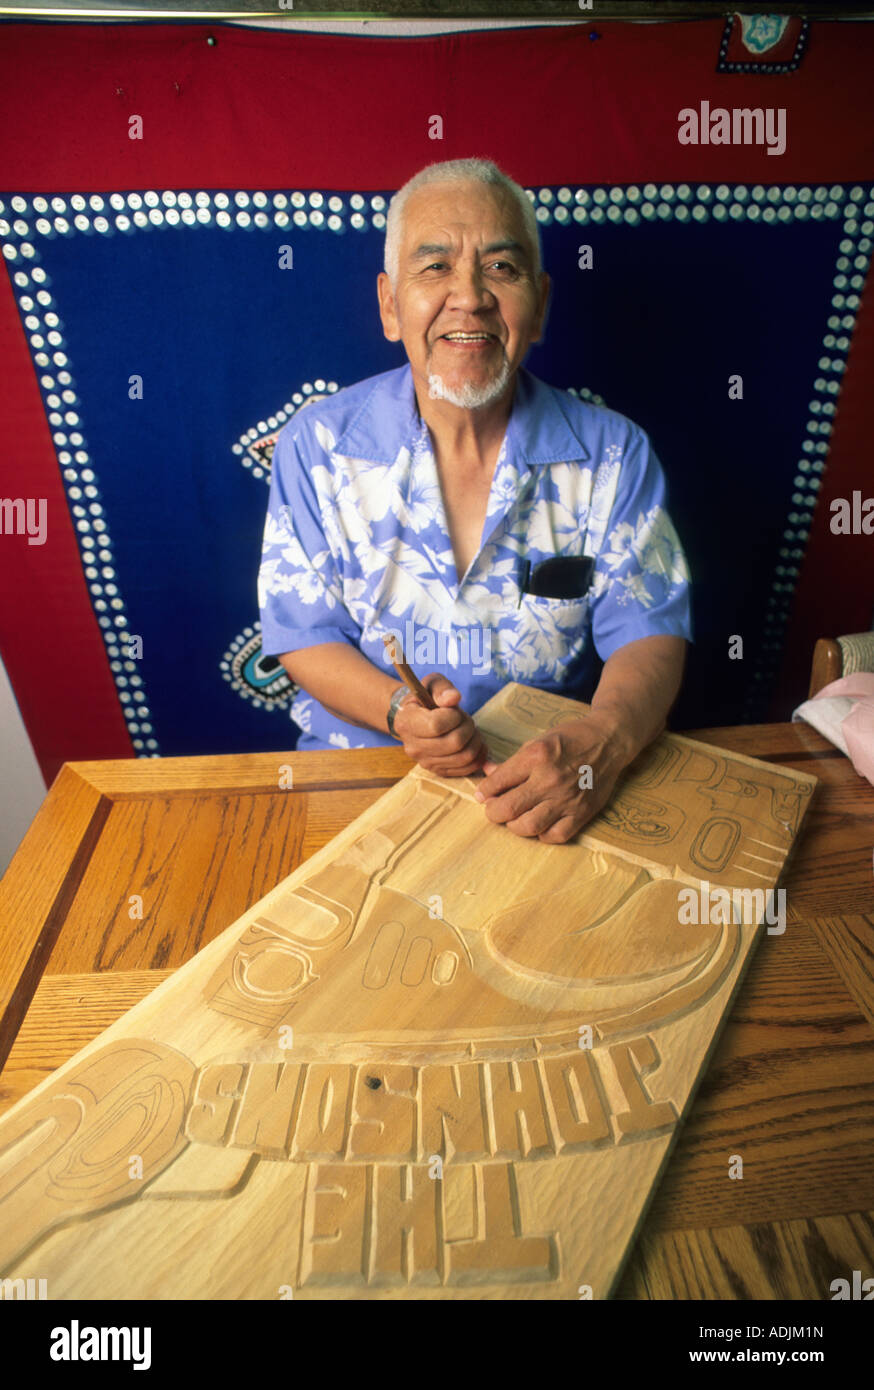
<point>132,866</point>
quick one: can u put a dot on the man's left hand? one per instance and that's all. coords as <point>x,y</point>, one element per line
<point>543,789</point>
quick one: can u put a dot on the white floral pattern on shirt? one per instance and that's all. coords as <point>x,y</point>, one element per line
<point>355,546</point>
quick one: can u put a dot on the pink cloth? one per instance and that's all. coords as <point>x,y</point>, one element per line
<point>858,726</point>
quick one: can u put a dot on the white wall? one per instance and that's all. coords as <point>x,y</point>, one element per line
<point>21,783</point>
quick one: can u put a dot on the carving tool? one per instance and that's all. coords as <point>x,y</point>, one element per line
<point>408,676</point>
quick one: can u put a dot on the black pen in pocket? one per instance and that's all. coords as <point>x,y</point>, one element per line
<point>523,581</point>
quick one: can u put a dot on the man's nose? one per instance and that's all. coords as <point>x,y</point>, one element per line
<point>468,289</point>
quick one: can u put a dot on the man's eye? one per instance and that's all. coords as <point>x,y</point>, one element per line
<point>505,265</point>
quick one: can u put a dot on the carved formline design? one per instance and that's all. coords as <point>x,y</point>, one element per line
<point>414,1044</point>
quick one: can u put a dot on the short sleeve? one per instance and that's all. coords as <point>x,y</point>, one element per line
<point>299,591</point>
<point>641,586</point>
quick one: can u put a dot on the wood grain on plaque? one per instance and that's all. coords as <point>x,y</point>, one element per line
<point>386,1058</point>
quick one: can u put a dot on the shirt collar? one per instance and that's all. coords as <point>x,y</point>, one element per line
<point>539,430</point>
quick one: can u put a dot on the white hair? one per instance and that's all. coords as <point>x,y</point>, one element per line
<point>483,171</point>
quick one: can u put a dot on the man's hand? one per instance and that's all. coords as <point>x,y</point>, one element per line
<point>541,790</point>
<point>444,740</point>
<point>538,791</point>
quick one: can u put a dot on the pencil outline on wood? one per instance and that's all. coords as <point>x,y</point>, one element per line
<point>373,909</point>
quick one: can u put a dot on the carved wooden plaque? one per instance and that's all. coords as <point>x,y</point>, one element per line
<point>437,1061</point>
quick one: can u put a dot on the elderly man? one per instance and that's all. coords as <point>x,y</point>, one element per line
<point>427,500</point>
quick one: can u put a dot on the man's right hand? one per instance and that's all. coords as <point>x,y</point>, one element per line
<point>444,740</point>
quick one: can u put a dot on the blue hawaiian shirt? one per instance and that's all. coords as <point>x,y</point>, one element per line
<point>356,546</point>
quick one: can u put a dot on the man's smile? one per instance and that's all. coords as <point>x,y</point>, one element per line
<point>468,341</point>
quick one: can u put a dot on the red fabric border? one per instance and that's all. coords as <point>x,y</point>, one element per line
<point>262,108</point>
<point>279,110</point>
<point>835,593</point>
<point>49,636</point>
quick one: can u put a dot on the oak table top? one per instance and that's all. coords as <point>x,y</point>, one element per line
<point>132,866</point>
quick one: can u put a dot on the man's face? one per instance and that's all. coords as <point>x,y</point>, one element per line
<point>465,268</point>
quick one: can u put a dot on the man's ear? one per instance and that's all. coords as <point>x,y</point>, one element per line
<point>545,291</point>
<point>387,308</point>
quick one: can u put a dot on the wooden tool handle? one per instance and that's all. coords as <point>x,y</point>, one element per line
<point>407,675</point>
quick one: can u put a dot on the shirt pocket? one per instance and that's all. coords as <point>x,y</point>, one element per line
<point>547,638</point>
<point>565,620</point>
<point>563,610</point>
